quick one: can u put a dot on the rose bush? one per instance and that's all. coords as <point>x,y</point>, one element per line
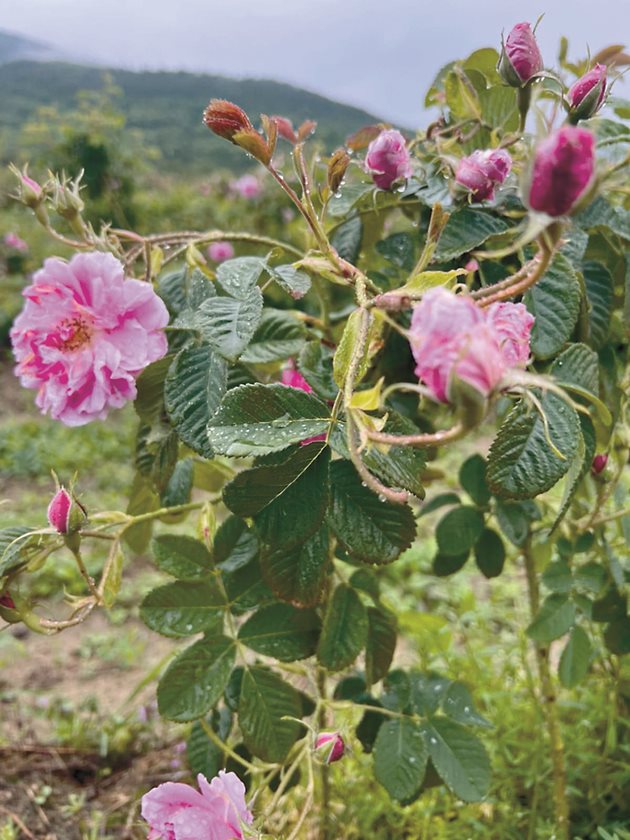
<point>289,400</point>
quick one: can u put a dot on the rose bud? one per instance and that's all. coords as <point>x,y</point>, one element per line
<point>585,97</point>
<point>520,57</point>
<point>226,119</point>
<point>220,251</point>
<point>563,171</point>
<point>388,159</point>
<point>599,463</point>
<point>65,514</point>
<point>331,746</point>
<point>285,128</point>
<point>337,166</point>
<point>480,172</point>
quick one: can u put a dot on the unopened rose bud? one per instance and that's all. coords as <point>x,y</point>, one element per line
<point>220,251</point>
<point>563,171</point>
<point>226,119</point>
<point>8,609</point>
<point>285,128</point>
<point>586,96</point>
<point>481,171</point>
<point>331,746</point>
<point>388,159</point>
<point>30,193</point>
<point>521,59</point>
<point>7,601</point>
<point>65,514</point>
<point>68,203</point>
<point>337,169</point>
<point>305,130</point>
<point>599,463</point>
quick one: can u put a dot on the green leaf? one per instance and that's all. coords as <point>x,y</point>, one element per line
<point>490,553</point>
<point>194,387</point>
<point>316,366</point>
<point>555,618</point>
<point>279,336</point>
<point>183,608</point>
<point>282,631</point>
<point>194,682</point>
<point>346,239</point>
<point>368,529</point>
<point>239,276</point>
<point>398,248</point>
<point>295,282</point>
<point>575,658</point>
<point>439,501</point>
<point>259,419</point>
<point>459,758</point>
<point>515,519</point>
<point>458,705</point>
<point>400,758</point>
<point>555,304</point>
<point>235,544</point>
<point>472,477</point>
<point>427,691</point>
<point>345,630</point>
<point>150,386</point>
<point>600,213</point>
<point>521,464</point>
<point>229,323</point>
<point>420,283</point>
<point>299,574</point>
<point>445,564</point>
<point>346,198</point>
<point>181,556</point>
<point>381,643</point>
<point>459,530</point>
<point>499,107</point>
<point>572,479</point>
<point>172,289</point>
<point>17,549</point>
<point>577,366</point>
<point>265,700</point>
<point>466,230</point>
<point>246,588</point>
<point>599,291</point>
<point>179,487</point>
<point>111,585</point>
<point>204,756</point>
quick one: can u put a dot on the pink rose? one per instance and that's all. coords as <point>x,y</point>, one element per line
<point>59,511</point>
<point>562,171</point>
<point>176,811</point>
<point>452,338</point>
<point>388,159</point>
<point>520,58</point>
<point>247,186</point>
<point>292,377</point>
<point>481,171</point>
<point>331,745</point>
<point>220,251</point>
<point>585,96</point>
<point>84,335</point>
<point>12,240</point>
<point>599,463</point>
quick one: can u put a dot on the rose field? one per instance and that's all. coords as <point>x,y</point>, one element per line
<point>314,485</point>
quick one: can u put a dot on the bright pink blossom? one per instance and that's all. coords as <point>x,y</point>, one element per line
<point>563,170</point>
<point>292,377</point>
<point>247,186</point>
<point>586,95</point>
<point>332,746</point>
<point>521,58</point>
<point>84,335</point>
<point>481,171</point>
<point>176,811</point>
<point>220,251</point>
<point>453,338</point>
<point>12,240</point>
<point>388,159</point>
<point>59,511</point>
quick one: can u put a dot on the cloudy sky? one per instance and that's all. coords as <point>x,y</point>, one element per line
<point>378,54</point>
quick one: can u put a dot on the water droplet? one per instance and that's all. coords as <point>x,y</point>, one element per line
<point>412,760</point>
<point>382,498</point>
<point>466,710</point>
<point>436,687</point>
<point>433,740</point>
<point>189,627</point>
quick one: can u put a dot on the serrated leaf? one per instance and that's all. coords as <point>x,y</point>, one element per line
<point>467,229</point>
<point>346,239</point>
<point>345,629</point>
<point>447,564</point>
<point>235,544</point>
<point>194,682</point>
<point>420,283</point>
<point>515,518</point>
<point>345,199</point>
<point>179,486</point>
<point>573,476</point>
<point>292,280</point>
<point>521,464</point>
<point>183,608</point>
<point>555,304</point>
<point>400,758</point>
<point>246,588</point>
<point>575,658</point>
<point>459,758</point>
<point>459,530</point>
<point>489,553</point>
<point>555,618</point>
<point>17,549</point>
<point>238,277</point>
<point>600,213</point>
<point>150,387</point>
<point>281,631</point>
<point>381,643</point>
<point>599,291</point>
<point>458,705</point>
<point>259,419</point>
<point>228,324</point>
<point>181,556</point>
<point>299,574</point>
<point>316,366</point>
<point>204,756</point>
<point>368,529</point>
<point>194,387</point>
<point>265,700</point>
<point>398,248</point>
<point>278,336</point>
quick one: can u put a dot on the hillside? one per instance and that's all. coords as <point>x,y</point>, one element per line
<point>167,108</point>
<point>16,47</point>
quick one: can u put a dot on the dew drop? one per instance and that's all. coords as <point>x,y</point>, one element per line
<point>433,740</point>
<point>466,710</point>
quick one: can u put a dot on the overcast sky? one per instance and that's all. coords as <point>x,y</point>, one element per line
<point>378,54</point>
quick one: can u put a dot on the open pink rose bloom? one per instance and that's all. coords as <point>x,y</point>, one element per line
<point>176,811</point>
<point>84,335</point>
<point>453,337</point>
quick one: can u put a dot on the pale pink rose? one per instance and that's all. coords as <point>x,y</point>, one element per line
<point>520,59</point>
<point>247,186</point>
<point>512,324</point>
<point>481,171</point>
<point>12,240</point>
<point>220,251</point>
<point>563,170</point>
<point>331,745</point>
<point>84,335</point>
<point>388,159</point>
<point>176,811</point>
<point>587,94</point>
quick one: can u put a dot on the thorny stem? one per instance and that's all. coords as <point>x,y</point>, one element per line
<point>85,575</point>
<point>518,283</point>
<point>421,440</point>
<point>549,701</point>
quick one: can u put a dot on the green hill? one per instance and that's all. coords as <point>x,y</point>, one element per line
<point>167,107</point>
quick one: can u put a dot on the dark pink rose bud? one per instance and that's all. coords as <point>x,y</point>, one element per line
<point>563,171</point>
<point>387,159</point>
<point>7,601</point>
<point>481,171</point>
<point>331,745</point>
<point>585,97</point>
<point>520,58</point>
<point>599,463</point>
<point>65,514</point>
